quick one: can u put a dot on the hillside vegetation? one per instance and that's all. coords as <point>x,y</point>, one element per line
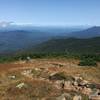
<point>70,45</point>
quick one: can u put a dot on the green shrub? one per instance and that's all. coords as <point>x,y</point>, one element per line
<point>95,57</point>
<point>88,62</point>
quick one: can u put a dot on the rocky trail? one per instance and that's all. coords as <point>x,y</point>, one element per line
<point>49,79</point>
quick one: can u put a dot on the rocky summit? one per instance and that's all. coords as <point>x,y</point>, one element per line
<point>42,79</point>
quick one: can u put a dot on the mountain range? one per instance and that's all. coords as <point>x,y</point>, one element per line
<point>87,33</point>
<point>70,45</point>
<point>16,38</point>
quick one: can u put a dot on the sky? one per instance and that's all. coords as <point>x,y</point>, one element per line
<point>50,12</point>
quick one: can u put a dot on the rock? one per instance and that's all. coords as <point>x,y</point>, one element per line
<point>77,97</point>
<point>57,76</point>
<point>95,96</point>
<point>12,77</point>
<point>61,98</point>
<point>87,91</point>
<point>28,59</point>
<point>21,85</point>
<point>64,96</point>
<point>68,85</point>
<point>91,85</point>
<point>52,74</point>
<point>97,86</point>
<point>76,78</point>
<point>84,82</point>
<point>61,84</point>
<point>27,73</point>
<point>67,96</point>
<point>75,83</point>
<point>37,69</point>
<point>57,84</point>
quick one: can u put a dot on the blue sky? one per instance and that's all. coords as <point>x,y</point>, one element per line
<point>51,12</point>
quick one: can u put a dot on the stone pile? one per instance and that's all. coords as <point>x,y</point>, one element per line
<point>27,72</point>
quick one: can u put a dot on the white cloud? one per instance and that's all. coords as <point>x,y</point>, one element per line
<point>5,24</point>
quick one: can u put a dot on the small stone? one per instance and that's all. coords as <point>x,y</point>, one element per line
<point>84,82</point>
<point>28,59</point>
<point>27,73</point>
<point>77,97</point>
<point>12,77</point>
<point>21,85</point>
<point>68,85</point>
<point>78,78</point>
<point>75,83</point>
<point>57,84</point>
<point>86,91</point>
<point>37,69</point>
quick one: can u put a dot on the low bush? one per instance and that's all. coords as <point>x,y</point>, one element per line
<point>88,62</point>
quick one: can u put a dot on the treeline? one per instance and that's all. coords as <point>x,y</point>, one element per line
<point>89,59</point>
<point>84,58</point>
<point>23,56</point>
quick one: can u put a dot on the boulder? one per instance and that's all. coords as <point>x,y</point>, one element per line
<point>57,76</point>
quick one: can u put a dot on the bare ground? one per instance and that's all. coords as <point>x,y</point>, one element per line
<point>39,88</point>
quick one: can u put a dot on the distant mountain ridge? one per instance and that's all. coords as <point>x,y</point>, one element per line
<point>70,45</point>
<point>87,33</point>
<point>11,41</point>
<point>16,40</point>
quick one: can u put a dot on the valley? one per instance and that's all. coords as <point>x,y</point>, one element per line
<point>22,39</point>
